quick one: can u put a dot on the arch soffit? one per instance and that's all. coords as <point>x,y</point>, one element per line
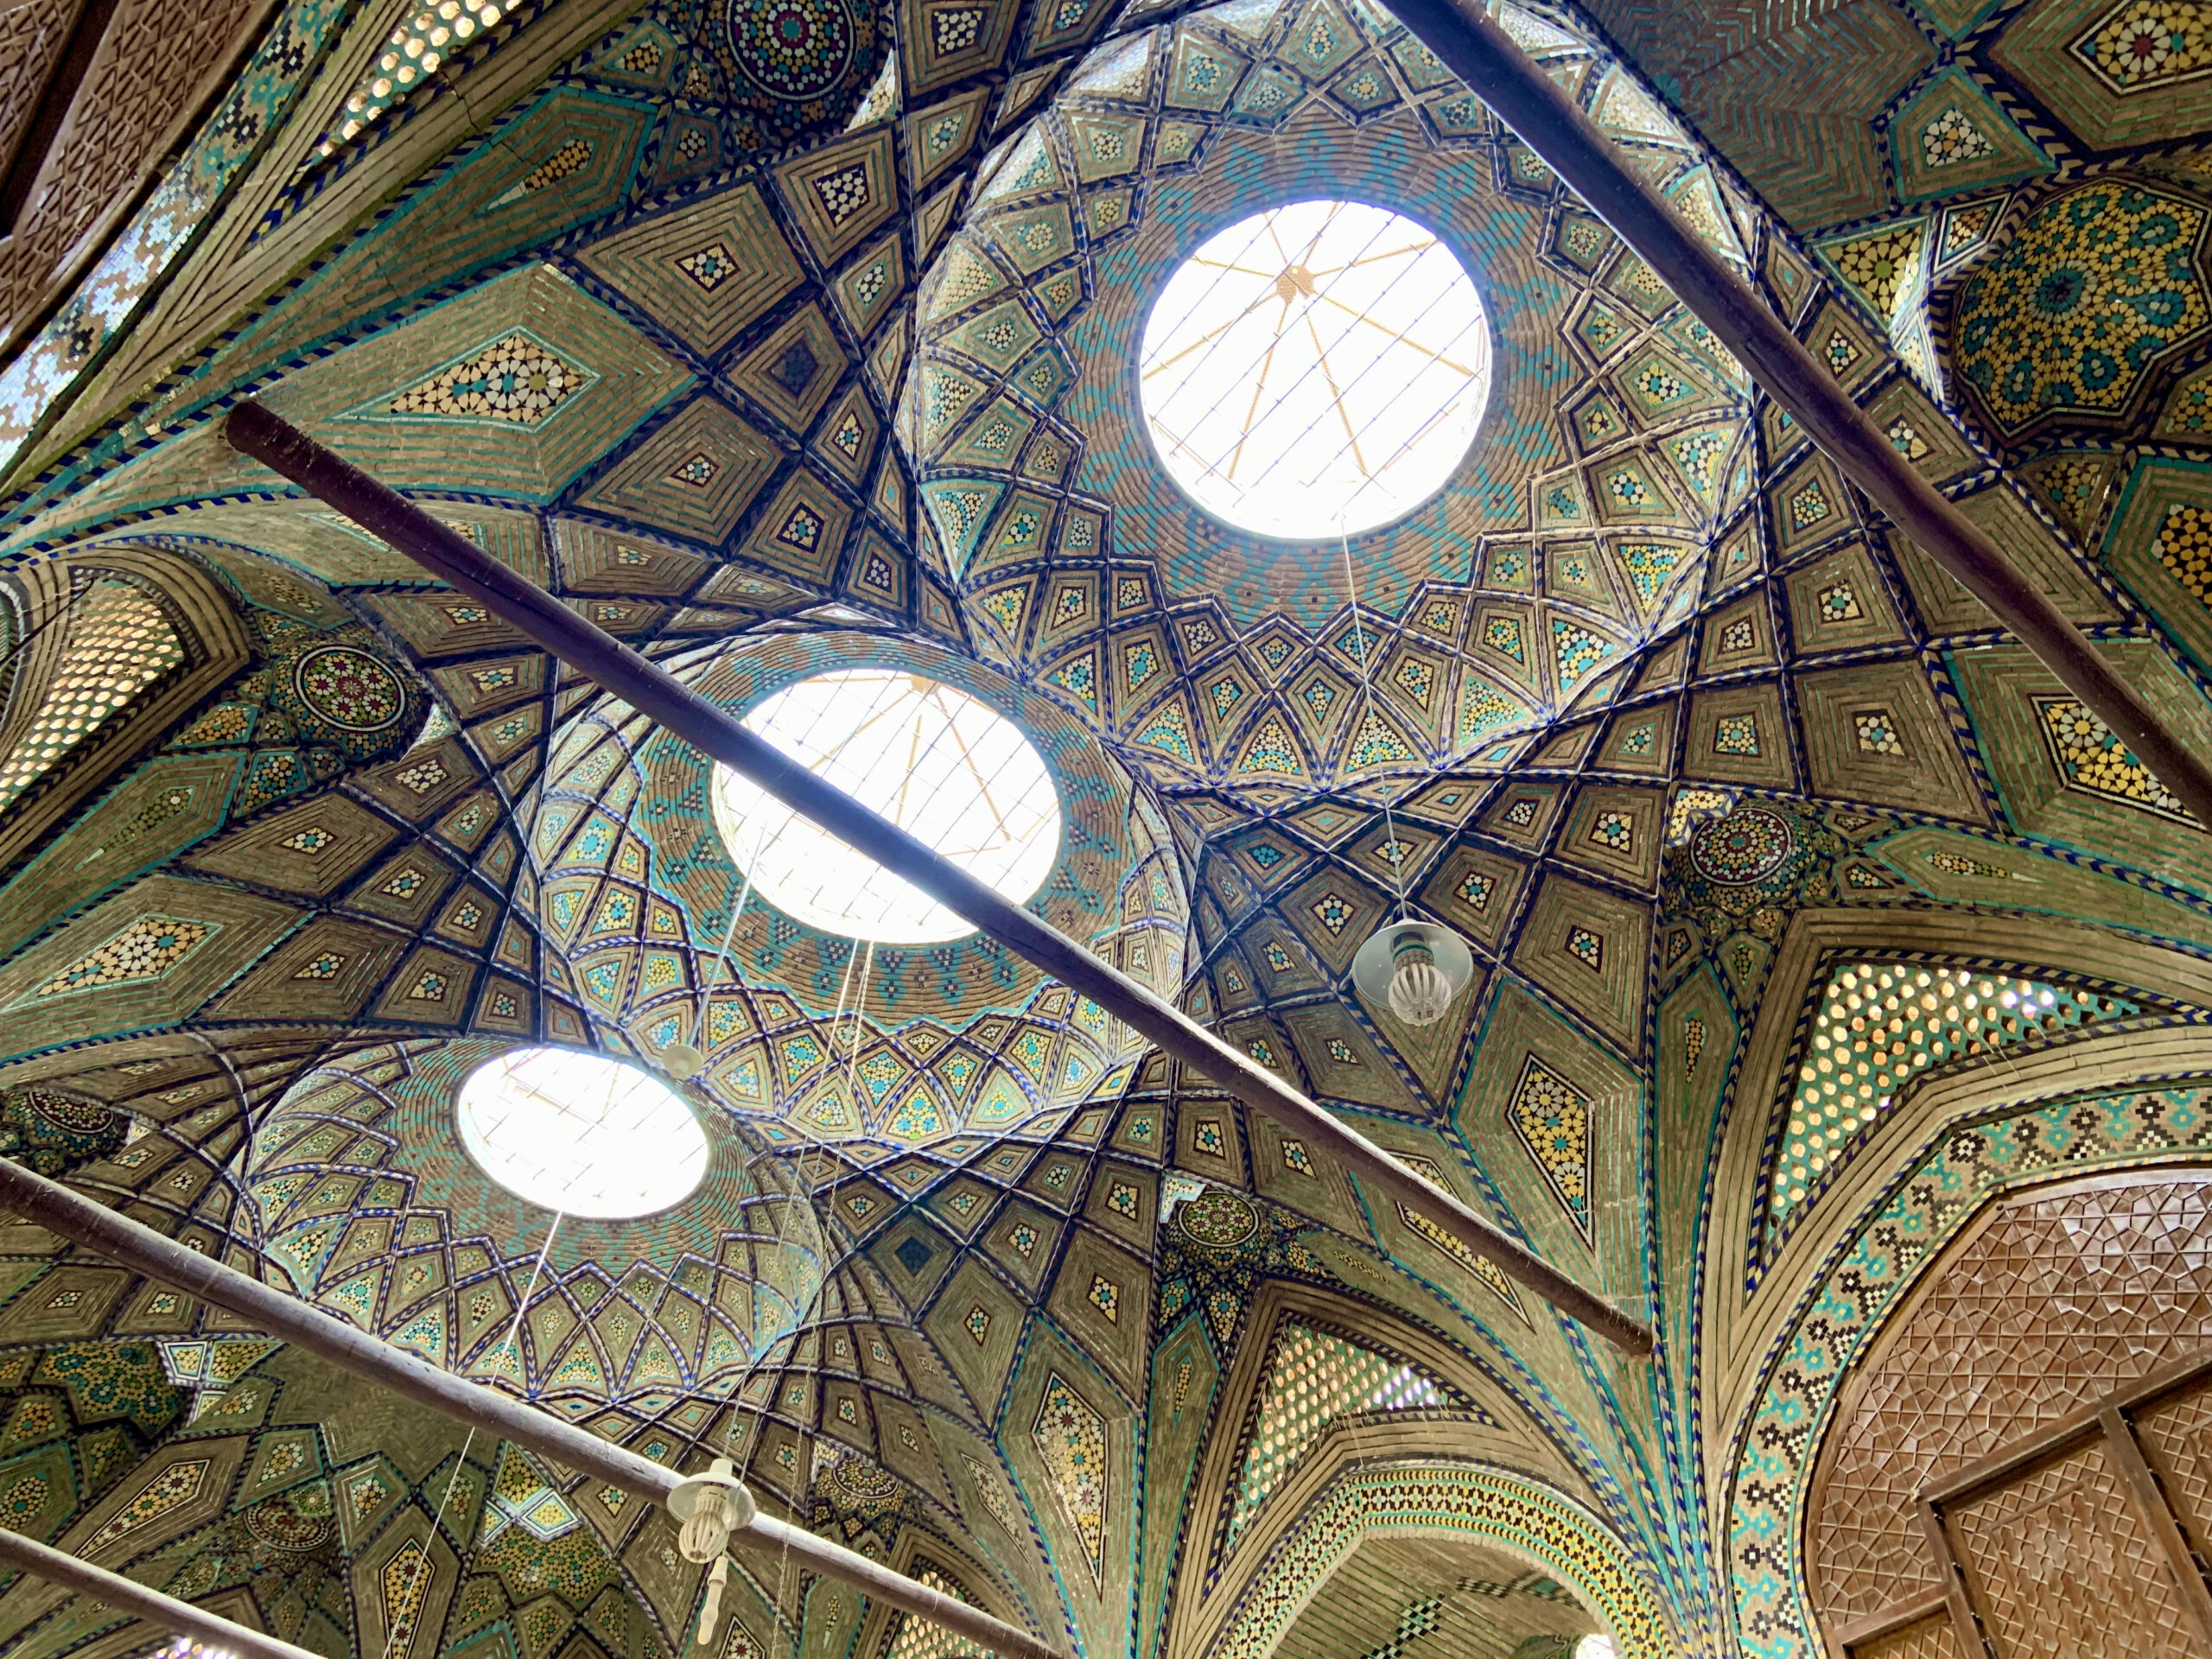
<point>1521,1446</point>
<point>1435,1495</point>
<point>1739,1325</point>
<point>216,646</point>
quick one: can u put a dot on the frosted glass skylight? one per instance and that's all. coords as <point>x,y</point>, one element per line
<point>935,761</point>
<point>581,1134</point>
<point>1318,368</point>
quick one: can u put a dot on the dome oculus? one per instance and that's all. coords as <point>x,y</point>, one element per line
<point>935,761</point>
<point>1317,369</point>
<point>581,1134</point>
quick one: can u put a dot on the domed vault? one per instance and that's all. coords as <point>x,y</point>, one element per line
<point>1814,929</point>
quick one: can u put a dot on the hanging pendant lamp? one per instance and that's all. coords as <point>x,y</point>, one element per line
<point>1414,967</point>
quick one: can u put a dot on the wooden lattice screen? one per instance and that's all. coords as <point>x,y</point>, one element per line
<point>2092,1535</point>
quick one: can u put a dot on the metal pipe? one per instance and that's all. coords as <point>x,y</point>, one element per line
<point>128,1595</point>
<point>86,1221</point>
<point>1551,124</point>
<point>659,696</point>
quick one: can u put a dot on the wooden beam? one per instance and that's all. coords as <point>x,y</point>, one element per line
<point>664,699</point>
<point>2048,1441</point>
<point>1475,49</point>
<point>1965,1624</point>
<point>2127,1461</point>
<point>1859,1631</point>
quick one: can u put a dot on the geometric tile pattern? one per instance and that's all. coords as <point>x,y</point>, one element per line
<point>517,379</point>
<point>146,949</point>
<point>1551,1118</point>
<point>2090,758</point>
<point>2074,312</point>
<point>1071,1437</point>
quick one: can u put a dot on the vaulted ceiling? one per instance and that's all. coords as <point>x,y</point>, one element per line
<point>784,338</point>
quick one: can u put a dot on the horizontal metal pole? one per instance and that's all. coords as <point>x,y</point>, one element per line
<point>128,1595</point>
<point>1464,39</point>
<point>86,1221</point>
<point>660,697</point>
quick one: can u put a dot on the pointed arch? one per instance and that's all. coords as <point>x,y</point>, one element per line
<point>107,648</point>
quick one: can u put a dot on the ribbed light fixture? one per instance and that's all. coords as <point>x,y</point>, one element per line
<point>1415,967</point>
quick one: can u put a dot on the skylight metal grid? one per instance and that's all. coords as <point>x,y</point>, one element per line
<point>1317,369</point>
<point>581,1134</point>
<point>941,765</point>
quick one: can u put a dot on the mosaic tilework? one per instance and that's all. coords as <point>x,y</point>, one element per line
<point>2090,758</point>
<point>176,1486</point>
<point>2069,316</point>
<point>2142,44</point>
<point>918,1638</point>
<point>53,1134</point>
<point>1070,1437</point>
<point>1551,1119</point>
<point>1882,1258</point>
<point>1190,697</point>
<point>160,230</point>
<point>518,380</point>
<point>146,949</point>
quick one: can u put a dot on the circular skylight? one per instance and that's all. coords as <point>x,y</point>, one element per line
<point>933,761</point>
<point>1315,370</point>
<point>581,1134</point>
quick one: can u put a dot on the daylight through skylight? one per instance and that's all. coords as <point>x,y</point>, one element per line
<point>581,1134</point>
<point>932,759</point>
<point>1318,368</point>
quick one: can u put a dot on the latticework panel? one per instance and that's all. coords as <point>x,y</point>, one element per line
<point>119,644</point>
<point>2176,1437</point>
<point>1880,1025</point>
<point>2064,1566</point>
<point>2059,1301</point>
<point>30,39</point>
<point>1314,1378</point>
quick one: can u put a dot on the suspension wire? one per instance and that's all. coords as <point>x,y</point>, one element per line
<point>506,1346</point>
<point>1391,854</point>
